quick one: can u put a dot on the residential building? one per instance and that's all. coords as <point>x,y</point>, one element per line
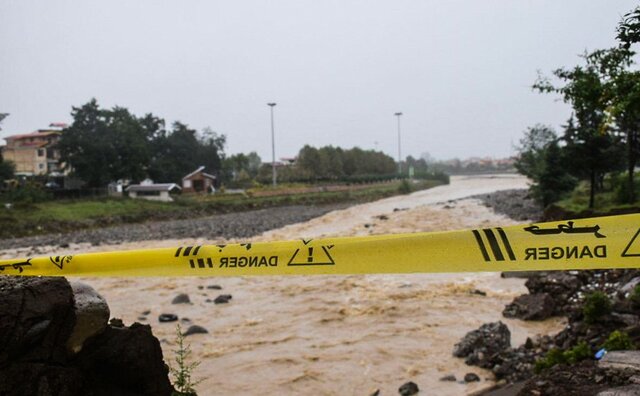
<point>153,192</point>
<point>198,181</point>
<point>35,154</point>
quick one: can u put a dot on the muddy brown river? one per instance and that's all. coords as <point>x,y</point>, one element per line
<point>337,335</point>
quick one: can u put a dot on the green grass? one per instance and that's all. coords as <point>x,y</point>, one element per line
<point>605,201</point>
<point>70,215</point>
<point>92,209</point>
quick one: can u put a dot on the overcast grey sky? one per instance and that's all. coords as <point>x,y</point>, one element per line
<point>460,71</point>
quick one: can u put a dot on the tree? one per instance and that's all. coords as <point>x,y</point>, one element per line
<point>104,145</point>
<point>182,150</point>
<point>2,117</point>
<point>629,28</point>
<point>541,159</point>
<point>532,148</point>
<point>7,168</point>
<point>589,143</point>
<point>554,181</point>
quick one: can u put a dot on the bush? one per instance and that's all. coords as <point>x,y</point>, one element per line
<point>26,194</point>
<point>556,356</point>
<point>405,187</point>
<point>183,380</point>
<point>618,341</point>
<point>596,305</point>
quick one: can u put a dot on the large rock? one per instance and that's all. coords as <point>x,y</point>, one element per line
<point>36,319</point>
<point>480,346</point>
<point>538,306</point>
<point>126,360</point>
<point>560,285</point>
<point>37,322</point>
<point>92,314</point>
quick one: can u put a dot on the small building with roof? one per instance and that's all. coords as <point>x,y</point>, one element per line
<point>198,181</point>
<point>153,192</point>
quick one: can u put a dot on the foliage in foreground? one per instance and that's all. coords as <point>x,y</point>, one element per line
<point>557,356</point>
<point>596,305</point>
<point>183,381</point>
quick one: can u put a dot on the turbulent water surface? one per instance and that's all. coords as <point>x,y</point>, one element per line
<point>336,335</point>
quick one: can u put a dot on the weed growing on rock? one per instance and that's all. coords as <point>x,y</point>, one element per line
<point>596,305</point>
<point>618,341</point>
<point>558,356</point>
<point>182,374</point>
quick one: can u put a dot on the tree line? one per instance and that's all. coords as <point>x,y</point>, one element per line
<point>602,135</point>
<point>104,145</point>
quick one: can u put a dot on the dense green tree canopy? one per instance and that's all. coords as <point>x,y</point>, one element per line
<point>105,145</point>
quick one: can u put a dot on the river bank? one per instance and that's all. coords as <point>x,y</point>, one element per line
<point>334,334</point>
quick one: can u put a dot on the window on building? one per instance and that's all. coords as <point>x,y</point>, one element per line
<point>41,152</point>
<point>41,166</point>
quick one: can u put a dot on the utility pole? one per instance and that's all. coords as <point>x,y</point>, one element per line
<point>398,114</point>
<point>273,146</point>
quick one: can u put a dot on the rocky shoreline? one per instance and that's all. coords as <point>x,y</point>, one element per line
<point>603,313</point>
<point>228,225</point>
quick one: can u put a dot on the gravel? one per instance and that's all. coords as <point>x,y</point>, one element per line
<point>229,225</point>
<point>517,204</point>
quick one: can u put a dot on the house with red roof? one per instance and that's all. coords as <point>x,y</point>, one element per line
<point>34,153</point>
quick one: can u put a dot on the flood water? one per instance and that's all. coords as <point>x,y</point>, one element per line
<point>337,335</point>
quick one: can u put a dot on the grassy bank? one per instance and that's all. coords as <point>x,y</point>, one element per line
<point>607,201</point>
<point>65,216</point>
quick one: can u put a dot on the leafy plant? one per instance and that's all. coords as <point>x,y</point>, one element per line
<point>618,341</point>
<point>596,305</point>
<point>405,187</point>
<point>183,374</point>
<point>558,356</point>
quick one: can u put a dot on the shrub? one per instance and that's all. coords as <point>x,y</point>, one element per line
<point>405,187</point>
<point>183,380</point>
<point>27,194</point>
<point>618,341</point>
<point>557,356</point>
<point>596,305</point>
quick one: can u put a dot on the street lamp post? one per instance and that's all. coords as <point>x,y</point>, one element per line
<point>398,114</point>
<point>273,146</point>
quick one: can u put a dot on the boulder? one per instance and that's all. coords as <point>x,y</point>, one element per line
<point>126,360</point>
<point>38,323</point>
<point>36,318</point>
<point>408,389</point>
<point>621,360</point>
<point>560,285</point>
<point>181,298</point>
<point>195,329</point>
<point>537,306</point>
<point>479,347</point>
<point>92,314</point>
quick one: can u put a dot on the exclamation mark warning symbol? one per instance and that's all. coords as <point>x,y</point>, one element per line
<point>315,256</point>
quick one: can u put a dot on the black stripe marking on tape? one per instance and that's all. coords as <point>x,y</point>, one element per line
<point>195,251</point>
<point>506,243</point>
<point>493,242</point>
<point>187,251</point>
<point>178,251</point>
<point>483,249</point>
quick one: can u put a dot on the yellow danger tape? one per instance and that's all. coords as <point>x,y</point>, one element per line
<point>598,243</point>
